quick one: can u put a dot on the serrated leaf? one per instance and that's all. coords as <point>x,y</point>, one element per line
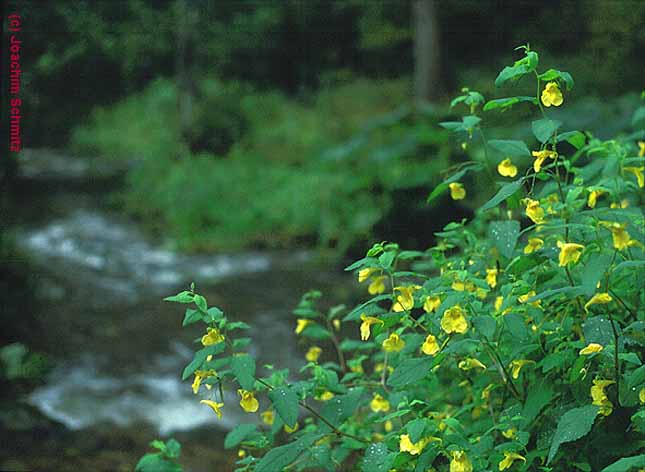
<point>409,371</point>
<point>626,464</point>
<point>280,457</point>
<point>181,297</point>
<point>510,147</point>
<point>505,103</point>
<point>485,325</point>
<point>244,370</point>
<point>504,236</point>
<point>377,458</point>
<point>191,316</point>
<point>538,397</point>
<point>415,429</point>
<point>341,407</point>
<point>573,425</point>
<point>570,291</point>
<point>544,129</point>
<point>513,73</point>
<point>553,74</point>
<point>506,191</point>
<point>285,402</point>
<point>238,434</point>
<point>199,358</point>
<point>575,138</point>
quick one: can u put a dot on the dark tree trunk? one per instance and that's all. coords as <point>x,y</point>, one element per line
<point>426,51</point>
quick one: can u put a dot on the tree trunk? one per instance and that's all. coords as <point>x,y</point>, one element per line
<point>426,51</point>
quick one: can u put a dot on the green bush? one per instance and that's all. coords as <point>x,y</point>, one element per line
<point>514,343</point>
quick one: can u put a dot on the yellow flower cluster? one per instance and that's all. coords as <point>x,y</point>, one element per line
<point>599,396</point>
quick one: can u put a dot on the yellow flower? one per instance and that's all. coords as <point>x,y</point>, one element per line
<point>509,457</point>
<point>551,95</point>
<point>325,396</point>
<point>241,453</point>
<point>517,365</point>
<point>599,397</point>
<point>460,462</point>
<point>641,395</point>
<point>430,345</point>
<point>498,302</point>
<point>302,323</point>
<point>379,403</point>
<point>619,235</point>
<point>486,392</point>
<point>534,211</point>
<point>431,304</point>
<point>199,376</point>
<point>624,203</point>
<point>268,417</point>
<point>527,296</point>
<point>591,348</point>
<point>569,252</point>
<point>365,274</point>
<point>638,172</point>
<point>336,324</point>
<point>510,433</point>
<point>212,336</point>
<point>641,148</point>
<point>248,402</point>
<point>377,286</point>
<point>406,445</point>
<point>598,299</point>
<point>506,168</point>
<point>535,244</point>
<point>491,277</point>
<point>393,344</point>
<point>313,354</point>
<point>388,426</point>
<point>454,321</point>
<point>367,322</point>
<point>405,299</point>
<point>541,156</point>
<point>457,191</point>
<point>215,406</point>
<point>593,197</point>
<point>470,363</point>
<point>290,429</point>
<point>355,366</point>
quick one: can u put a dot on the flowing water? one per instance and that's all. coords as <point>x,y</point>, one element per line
<point>118,349</point>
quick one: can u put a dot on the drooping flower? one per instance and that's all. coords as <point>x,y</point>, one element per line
<point>491,277</point>
<point>552,95</point>
<point>599,396</point>
<point>510,433</point>
<point>379,403</point>
<point>506,168</point>
<point>471,363</point>
<point>365,274</point>
<point>641,148</point>
<point>534,211</point>
<point>593,197</point>
<point>460,462</point>
<point>639,173</point>
<point>527,296</point>
<point>509,458</point>
<point>212,336</point>
<point>569,252</point>
<point>541,156</point>
<point>406,445</point>
<point>301,324</point>
<point>325,396</point>
<point>241,453</point>
<point>430,346</point>
<point>405,299</point>
<point>619,235</point>
<point>388,426</point>
<point>377,286</point>
<point>336,324</point>
<point>367,322</point>
<point>248,402</point>
<point>268,417</point>
<point>215,406</point>
<point>591,348</point>
<point>431,304</point>
<point>516,366</point>
<point>393,344</point>
<point>498,302</point>
<point>313,354</point>
<point>598,299</point>
<point>457,191</point>
<point>534,244</point>
<point>201,375</point>
<point>454,320</point>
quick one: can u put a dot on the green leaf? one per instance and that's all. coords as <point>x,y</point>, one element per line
<point>173,448</point>
<point>569,291</point>
<point>626,464</point>
<point>409,371</point>
<point>285,402</point>
<point>553,74</point>
<point>280,457</point>
<point>544,129</point>
<point>341,407</point>
<point>573,425</point>
<point>506,191</point>
<point>505,103</point>
<point>485,325</point>
<point>156,463</point>
<point>200,357</point>
<point>598,330</point>
<point>201,303</point>
<point>513,73</point>
<point>575,138</point>
<point>181,297</point>
<point>538,397</point>
<point>244,369</point>
<point>239,434</point>
<point>504,236</point>
<point>443,186</point>
<point>638,118</point>
<point>415,428</point>
<point>192,316</point>
<point>510,147</point>
<point>377,458</point>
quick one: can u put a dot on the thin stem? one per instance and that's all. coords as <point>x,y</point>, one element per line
<point>616,363</point>
<point>339,351</point>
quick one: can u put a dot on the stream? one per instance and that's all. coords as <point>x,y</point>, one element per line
<point>118,349</point>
